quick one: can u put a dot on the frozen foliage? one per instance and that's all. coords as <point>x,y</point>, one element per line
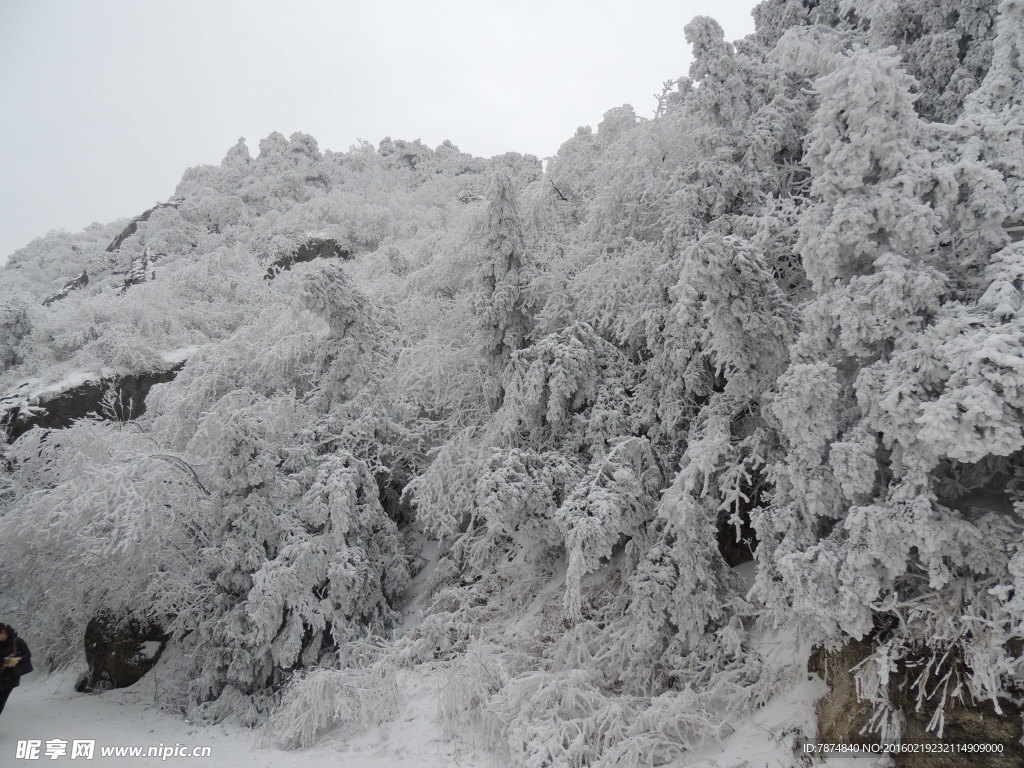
<point>500,273</point>
<point>284,551</point>
<point>15,326</point>
<point>903,406</point>
<point>527,434</point>
<point>363,694</point>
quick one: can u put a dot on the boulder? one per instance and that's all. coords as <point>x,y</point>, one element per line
<point>120,650</point>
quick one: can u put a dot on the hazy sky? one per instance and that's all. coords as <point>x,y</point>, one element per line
<point>103,104</point>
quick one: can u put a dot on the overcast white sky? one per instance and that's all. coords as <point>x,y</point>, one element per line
<point>103,104</point>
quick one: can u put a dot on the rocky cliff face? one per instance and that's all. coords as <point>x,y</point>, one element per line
<point>133,225</point>
<point>69,287</point>
<point>115,397</point>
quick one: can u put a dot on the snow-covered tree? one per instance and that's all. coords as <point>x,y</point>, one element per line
<point>500,276</point>
<point>780,320</point>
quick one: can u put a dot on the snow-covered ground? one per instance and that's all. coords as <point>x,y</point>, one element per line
<point>45,708</point>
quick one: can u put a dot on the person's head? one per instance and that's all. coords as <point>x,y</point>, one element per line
<point>6,631</point>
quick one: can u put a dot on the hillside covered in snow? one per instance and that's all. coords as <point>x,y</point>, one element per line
<point>568,451</point>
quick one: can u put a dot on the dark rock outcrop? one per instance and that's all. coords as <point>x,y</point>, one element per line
<point>314,248</point>
<point>119,651</point>
<point>139,270</point>
<point>72,285</point>
<point>842,716</point>
<point>62,408</point>
<point>133,225</point>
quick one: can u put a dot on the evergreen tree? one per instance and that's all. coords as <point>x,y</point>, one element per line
<point>499,280</point>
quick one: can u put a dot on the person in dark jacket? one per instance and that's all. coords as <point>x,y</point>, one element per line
<point>16,660</point>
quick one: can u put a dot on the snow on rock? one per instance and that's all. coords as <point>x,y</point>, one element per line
<point>181,354</point>
<point>81,393</point>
